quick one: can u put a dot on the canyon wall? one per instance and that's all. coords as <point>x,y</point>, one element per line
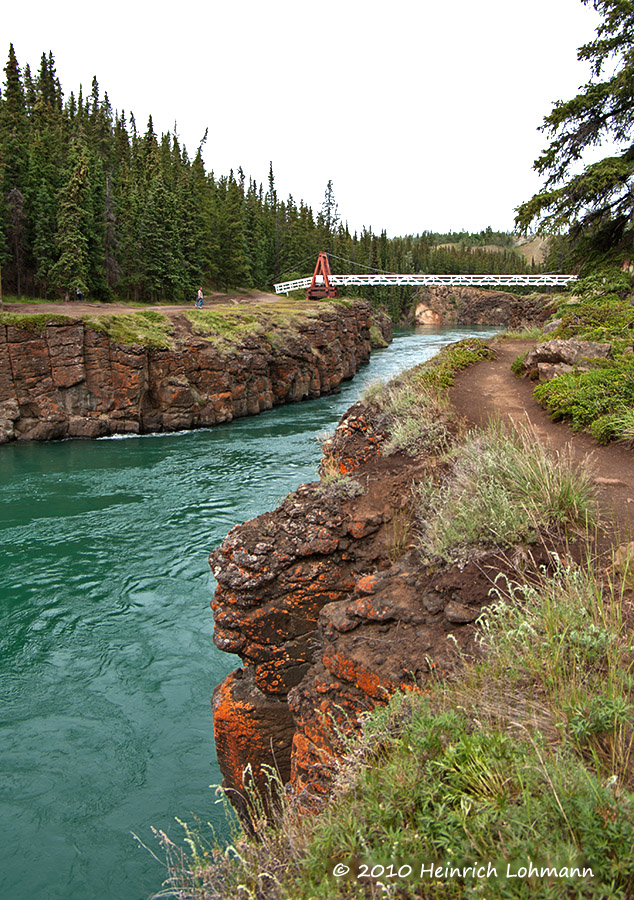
<point>455,305</point>
<point>65,380</point>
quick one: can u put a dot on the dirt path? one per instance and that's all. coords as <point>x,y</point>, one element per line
<point>85,308</point>
<point>489,389</point>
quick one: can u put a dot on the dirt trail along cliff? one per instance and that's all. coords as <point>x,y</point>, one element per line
<point>491,390</point>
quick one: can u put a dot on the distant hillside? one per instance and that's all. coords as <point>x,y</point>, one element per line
<point>532,249</point>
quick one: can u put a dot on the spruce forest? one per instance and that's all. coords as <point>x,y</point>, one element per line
<point>91,204</point>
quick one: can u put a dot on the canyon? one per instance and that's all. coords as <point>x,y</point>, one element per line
<point>62,378</point>
<point>451,304</point>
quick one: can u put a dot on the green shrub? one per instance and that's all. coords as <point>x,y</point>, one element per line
<point>451,794</point>
<point>517,366</point>
<point>595,399</point>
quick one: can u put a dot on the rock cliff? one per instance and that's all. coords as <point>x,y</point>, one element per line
<point>328,606</point>
<point>63,379</point>
<point>475,306</point>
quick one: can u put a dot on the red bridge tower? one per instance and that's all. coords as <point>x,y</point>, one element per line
<point>323,287</point>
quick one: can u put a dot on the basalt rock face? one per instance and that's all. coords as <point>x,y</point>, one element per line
<point>475,306</point>
<point>67,380</point>
<point>327,603</point>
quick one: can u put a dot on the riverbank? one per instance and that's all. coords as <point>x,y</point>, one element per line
<point>108,658</point>
<point>145,370</point>
<point>372,583</point>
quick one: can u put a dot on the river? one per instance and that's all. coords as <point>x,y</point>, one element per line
<point>107,663</point>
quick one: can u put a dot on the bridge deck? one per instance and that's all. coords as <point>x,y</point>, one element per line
<point>543,280</point>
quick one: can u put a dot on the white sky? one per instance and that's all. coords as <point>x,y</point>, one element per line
<point>423,113</point>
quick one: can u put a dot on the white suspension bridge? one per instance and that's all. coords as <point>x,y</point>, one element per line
<point>323,283</point>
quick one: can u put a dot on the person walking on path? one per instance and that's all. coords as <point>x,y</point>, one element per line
<point>199,299</point>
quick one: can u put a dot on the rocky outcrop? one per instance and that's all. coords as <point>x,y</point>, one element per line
<point>560,357</point>
<point>327,604</point>
<point>474,306</point>
<point>67,380</point>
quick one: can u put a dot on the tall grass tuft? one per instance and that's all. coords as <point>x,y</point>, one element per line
<point>561,637</point>
<point>504,488</point>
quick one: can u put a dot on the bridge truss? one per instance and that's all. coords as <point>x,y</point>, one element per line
<point>324,284</point>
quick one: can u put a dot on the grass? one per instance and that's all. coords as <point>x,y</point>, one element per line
<point>35,322</point>
<point>146,327</point>
<point>413,408</point>
<point>525,757</point>
<point>417,419</point>
<point>440,371</point>
<point>227,325</point>
<point>526,333</point>
<point>504,488</point>
<point>152,329</point>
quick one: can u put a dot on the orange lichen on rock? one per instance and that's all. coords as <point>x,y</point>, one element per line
<point>328,625</point>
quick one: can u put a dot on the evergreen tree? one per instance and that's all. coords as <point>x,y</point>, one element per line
<point>597,204</point>
<point>231,268</point>
<point>13,172</point>
<point>162,257</point>
<point>70,272</point>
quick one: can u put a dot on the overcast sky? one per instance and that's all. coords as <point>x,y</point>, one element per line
<point>424,114</point>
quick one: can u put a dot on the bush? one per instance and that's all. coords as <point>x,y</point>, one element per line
<point>596,399</point>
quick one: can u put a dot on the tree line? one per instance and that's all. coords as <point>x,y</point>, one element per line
<point>91,204</point>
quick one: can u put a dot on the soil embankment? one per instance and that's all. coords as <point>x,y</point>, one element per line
<point>63,376</point>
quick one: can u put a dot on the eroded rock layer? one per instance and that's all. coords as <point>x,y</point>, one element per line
<point>67,380</point>
<point>328,605</point>
<point>455,305</point>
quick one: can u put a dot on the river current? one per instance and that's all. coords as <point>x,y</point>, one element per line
<point>107,664</point>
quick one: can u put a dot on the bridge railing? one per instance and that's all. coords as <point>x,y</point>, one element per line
<point>542,280</point>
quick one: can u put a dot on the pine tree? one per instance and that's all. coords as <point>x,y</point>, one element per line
<point>13,175</point>
<point>162,257</point>
<point>597,204</point>
<point>230,265</point>
<point>70,272</point>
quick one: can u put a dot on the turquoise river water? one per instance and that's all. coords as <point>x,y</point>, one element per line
<point>107,665</point>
